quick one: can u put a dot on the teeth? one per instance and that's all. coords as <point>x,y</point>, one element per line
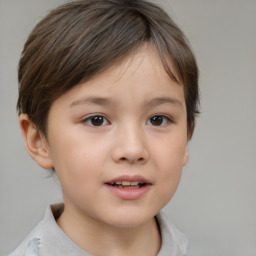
<point>127,183</point>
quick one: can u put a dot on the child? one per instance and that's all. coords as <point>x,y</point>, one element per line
<point>107,99</point>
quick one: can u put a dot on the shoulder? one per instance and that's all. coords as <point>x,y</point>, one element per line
<point>174,242</point>
<point>47,239</point>
<point>31,244</point>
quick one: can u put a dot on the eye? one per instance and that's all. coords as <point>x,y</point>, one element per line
<point>96,120</point>
<point>158,120</point>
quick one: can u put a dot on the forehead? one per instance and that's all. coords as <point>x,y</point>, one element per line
<point>146,58</point>
<point>139,75</point>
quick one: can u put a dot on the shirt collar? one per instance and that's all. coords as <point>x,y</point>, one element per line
<point>54,242</point>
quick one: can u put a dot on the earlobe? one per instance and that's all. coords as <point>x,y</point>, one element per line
<point>35,142</point>
<point>186,156</point>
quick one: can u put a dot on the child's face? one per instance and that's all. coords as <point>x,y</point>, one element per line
<point>128,124</point>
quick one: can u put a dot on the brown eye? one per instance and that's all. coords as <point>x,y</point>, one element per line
<point>96,121</point>
<point>158,120</point>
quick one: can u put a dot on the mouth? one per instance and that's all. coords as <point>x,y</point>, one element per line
<point>129,187</point>
<point>127,184</point>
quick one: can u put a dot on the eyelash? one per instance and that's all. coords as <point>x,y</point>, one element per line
<point>164,119</point>
<point>88,120</point>
<point>103,121</point>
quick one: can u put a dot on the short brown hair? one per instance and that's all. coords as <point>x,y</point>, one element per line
<point>83,38</point>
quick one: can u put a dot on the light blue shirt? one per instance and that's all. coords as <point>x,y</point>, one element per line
<point>47,239</point>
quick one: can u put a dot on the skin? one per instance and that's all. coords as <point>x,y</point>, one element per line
<point>126,142</point>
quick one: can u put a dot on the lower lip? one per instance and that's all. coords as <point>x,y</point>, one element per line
<point>129,193</point>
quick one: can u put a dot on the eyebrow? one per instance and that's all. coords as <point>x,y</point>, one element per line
<point>149,103</point>
<point>163,100</point>
<point>93,100</point>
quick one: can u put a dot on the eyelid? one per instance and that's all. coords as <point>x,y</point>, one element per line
<point>87,120</point>
<point>168,120</point>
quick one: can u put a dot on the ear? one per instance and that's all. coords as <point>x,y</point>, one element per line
<point>186,156</point>
<point>36,143</point>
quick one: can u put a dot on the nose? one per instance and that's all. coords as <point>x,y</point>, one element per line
<point>130,147</point>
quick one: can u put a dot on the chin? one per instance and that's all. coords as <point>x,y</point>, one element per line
<point>129,219</point>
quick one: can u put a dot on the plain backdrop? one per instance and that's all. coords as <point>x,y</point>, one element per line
<point>215,204</point>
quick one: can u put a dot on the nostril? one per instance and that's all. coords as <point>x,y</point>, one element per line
<point>123,159</point>
<point>130,155</point>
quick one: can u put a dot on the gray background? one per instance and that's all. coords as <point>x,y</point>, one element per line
<point>215,203</point>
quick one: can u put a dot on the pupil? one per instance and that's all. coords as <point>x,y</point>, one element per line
<point>157,120</point>
<point>97,120</point>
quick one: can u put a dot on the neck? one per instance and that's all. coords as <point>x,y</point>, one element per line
<point>102,239</point>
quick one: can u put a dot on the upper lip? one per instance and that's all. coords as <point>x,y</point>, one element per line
<point>129,178</point>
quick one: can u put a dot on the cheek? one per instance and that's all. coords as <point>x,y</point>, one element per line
<point>170,154</point>
<point>169,163</point>
<point>169,175</point>
<point>77,160</point>
<point>76,172</point>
